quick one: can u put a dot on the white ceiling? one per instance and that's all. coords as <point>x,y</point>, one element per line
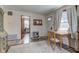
<point>42,9</point>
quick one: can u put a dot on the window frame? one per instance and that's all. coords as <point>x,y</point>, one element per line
<point>62,22</point>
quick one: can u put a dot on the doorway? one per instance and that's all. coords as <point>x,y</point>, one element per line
<point>25,29</point>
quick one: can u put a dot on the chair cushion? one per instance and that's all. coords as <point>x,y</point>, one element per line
<point>52,39</point>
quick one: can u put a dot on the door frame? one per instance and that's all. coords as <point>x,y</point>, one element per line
<point>21,26</point>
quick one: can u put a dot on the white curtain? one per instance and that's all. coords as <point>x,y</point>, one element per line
<point>69,14</point>
<point>72,19</point>
<point>58,19</point>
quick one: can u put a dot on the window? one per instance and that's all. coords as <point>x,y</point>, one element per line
<point>49,18</point>
<point>26,22</point>
<point>64,22</point>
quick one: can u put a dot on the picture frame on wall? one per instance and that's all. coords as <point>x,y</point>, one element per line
<point>37,21</point>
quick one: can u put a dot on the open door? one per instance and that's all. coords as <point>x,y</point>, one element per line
<point>22,27</point>
<point>25,26</point>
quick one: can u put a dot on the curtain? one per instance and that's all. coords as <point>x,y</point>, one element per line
<point>69,14</point>
<point>58,19</point>
<point>72,20</point>
<point>55,21</point>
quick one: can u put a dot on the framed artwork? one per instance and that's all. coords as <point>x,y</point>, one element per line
<point>37,21</point>
<point>10,13</point>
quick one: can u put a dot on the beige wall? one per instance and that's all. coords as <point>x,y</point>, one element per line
<point>12,24</point>
<point>50,23</point>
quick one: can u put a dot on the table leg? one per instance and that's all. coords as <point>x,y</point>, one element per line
<point>69,40</point>
<point>54,41</point>
<point>61,41</point>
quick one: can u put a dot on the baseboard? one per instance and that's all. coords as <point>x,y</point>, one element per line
<point>39,39</point>
<point>12,37</point>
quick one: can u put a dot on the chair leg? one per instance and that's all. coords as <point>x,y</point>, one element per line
<point>54,44</point>
<point>48,41</point>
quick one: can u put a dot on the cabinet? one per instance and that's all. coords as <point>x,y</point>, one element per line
<point>3,41</point>
<point>3,34</point>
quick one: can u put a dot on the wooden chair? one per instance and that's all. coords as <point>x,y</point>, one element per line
<point>64,34</point>
<point>52,37</point>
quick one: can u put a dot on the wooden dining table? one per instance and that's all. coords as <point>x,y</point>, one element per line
<point>60,34</point>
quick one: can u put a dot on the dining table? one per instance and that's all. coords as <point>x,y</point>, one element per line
<point>60,35</point>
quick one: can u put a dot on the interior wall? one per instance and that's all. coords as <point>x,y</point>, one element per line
<point>12,24</point>
<point>51,22</point>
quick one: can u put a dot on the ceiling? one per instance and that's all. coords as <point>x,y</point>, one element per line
<point>42,9</point>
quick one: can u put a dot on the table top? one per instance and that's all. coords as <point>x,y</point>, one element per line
<point>61,32</point>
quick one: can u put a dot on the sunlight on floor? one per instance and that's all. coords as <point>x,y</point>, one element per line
<point>26,39</point>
